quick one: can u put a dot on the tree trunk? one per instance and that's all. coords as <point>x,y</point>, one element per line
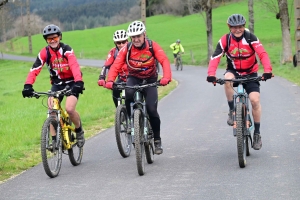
<point>251,16</point>
<point>28,27</point>
<point>285,30</point>
<point>209,33</point>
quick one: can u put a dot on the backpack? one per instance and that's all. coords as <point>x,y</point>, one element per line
<point>116,53</point>
<point>129,45</point>
<point>48,57</point>
<point>247,37</point>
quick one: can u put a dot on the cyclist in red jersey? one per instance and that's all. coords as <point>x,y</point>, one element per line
<point>142,68</point>
<point>241,61</point>
<point>64,70</point>
<point>120,39</point>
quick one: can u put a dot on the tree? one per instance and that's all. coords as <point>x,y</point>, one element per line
<point>2,3</point>
<point>280,8</point>
<point>200,6</point>
<point>285,31</point>
<point>251,16</point>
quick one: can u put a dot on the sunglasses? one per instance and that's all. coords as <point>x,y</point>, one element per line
<point>136,36</point>
<point>237,27</point>
<point>121,42</point>
<point>56,38</point>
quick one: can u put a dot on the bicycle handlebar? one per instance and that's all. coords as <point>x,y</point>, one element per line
<point>65,91</point>
<point>122,86</point>
<point>238,80</point>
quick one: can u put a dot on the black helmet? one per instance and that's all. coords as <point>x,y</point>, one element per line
<point>236,20</point>
<point>51,29</point>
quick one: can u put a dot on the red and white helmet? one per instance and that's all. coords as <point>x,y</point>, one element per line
<point>136,28</point>
<point>120,35</point>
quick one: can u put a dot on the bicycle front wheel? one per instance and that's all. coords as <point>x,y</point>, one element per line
<point>75,153</point>
<point>122,137</point>
<point>51,151</point>
<point>139,141</point>
<point>180,64</point>
<point>177,64</point>
<point>240,136</point>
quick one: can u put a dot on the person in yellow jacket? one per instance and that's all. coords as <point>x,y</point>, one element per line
<point>177,47</point>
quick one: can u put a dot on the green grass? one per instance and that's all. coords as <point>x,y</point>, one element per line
<point>166,29</point>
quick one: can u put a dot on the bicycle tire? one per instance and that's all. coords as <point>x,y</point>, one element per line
<point>51,159</point>
<point>122,137</point>
<point>248,145</point>
<point>149,145</point>
<point>180,64</point>
<point>240,114</point>
<point>139,141</point>
<point>75,153</point>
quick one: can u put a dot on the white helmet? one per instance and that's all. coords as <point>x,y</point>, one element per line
<point>136,28</point>
<point>120,35</point>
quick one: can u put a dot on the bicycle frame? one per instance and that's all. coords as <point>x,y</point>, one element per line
<point>242,96</point>
<point>62,118</point>
<point>139,103</point>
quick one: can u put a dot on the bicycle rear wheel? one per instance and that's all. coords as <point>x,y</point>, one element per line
<point>240,136</point>
<point>51,151</point>
<point>122,137</point>
<point>75,153</point>
<point>139,141</point>
<point>149,145</point>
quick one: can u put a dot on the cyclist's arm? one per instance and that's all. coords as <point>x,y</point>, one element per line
<point>73,64</point>
<point>115,68</point>
<point>215,58</point>
<point>36,67</point>
<point>263,55</point>
<point>181,48</point>
<point>163,60</point>
<point>108,62</point>
<point>172,46</point>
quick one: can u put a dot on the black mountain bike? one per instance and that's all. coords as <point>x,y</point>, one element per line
<point>142,130</point>
<point>178,62</point>
<point>123,138</point>
<point>242,117</point>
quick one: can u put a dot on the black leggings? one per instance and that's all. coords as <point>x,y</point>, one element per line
<point>116,93</point>
<point>151,98</point>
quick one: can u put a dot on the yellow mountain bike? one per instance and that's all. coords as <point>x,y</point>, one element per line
<point>58,126</point>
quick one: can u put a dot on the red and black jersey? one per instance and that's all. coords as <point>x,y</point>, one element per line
<point>240,56</point>
<point>109,61</point>
<point>141,63</point>
<point>63,68</point>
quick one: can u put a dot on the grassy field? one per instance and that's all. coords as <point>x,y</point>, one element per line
<point>166,29</point>
<point>21,119</point>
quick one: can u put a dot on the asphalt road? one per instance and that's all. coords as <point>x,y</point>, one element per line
<point>200,155</point>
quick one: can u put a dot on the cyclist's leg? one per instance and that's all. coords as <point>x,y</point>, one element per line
<point>71,102</point>
<point>50,105</point>
<point>175,57</point>
<point>229,94</point>
<point>253,90</point>
<point>116,93</point>
<point>151,98</point>
<point>131,81</point>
